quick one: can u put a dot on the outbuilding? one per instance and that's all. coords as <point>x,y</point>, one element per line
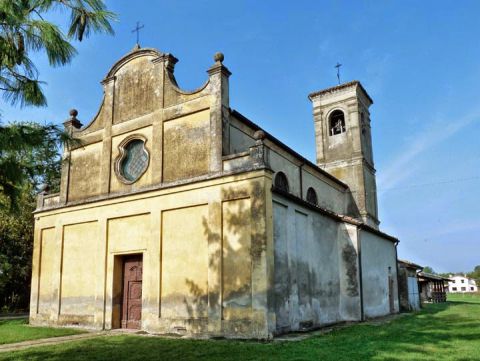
<point>408,288</point>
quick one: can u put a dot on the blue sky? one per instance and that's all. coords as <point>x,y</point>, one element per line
<point>419,61</point>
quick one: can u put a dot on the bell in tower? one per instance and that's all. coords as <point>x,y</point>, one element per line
<point>344,143</point>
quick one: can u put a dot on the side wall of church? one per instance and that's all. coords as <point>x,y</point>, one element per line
<point>379,275</point>
<point>206,267</point>
<point>300,176</point>
<point>315,268</point>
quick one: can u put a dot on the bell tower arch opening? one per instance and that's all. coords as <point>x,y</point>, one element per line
<point>336,122</point>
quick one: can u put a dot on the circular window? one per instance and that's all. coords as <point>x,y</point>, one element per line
<point>134,160</point>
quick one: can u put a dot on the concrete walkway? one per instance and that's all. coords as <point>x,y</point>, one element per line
<point>49,341</point>
<point>14,317</point>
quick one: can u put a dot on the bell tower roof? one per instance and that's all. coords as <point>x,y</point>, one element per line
<point>339,88</point>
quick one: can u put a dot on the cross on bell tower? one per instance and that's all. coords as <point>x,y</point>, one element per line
<point>137,29</point>
<point>338,71</point>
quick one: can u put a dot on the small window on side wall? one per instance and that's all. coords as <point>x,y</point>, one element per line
<point>312,196</point>
<point>281,182</point>
<point>337,122</point>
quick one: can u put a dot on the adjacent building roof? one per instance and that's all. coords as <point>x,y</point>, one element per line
<point>410,264</point>
<point>423,276</point>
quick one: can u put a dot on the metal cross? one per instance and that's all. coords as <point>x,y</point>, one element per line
<point>137,30</point>
<point>338,71</point>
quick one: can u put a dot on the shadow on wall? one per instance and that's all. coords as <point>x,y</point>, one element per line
<point>231,256</point>
<point>235,230</point>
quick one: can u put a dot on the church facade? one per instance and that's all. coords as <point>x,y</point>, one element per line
<point>177,214</point>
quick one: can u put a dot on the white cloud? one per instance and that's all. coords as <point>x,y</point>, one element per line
<point>404,165</point>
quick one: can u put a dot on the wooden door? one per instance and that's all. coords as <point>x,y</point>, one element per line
<point>132,292</point>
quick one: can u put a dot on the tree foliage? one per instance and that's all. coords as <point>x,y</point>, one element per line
<point>23,29</point>
<point>29,152</point>
<point>16,235</point>
<point>428,269</point>
<point>475,274</point>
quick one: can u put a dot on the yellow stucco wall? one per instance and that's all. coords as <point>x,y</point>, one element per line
<point>199,266</point>
<point>128,233</point>
<point>79,258</point>
<point>186,148</point>
<point>237,286</point>
<point>85,170</point>
<point>184,260</point>
<point>136,89</point>
<point>46,274</point>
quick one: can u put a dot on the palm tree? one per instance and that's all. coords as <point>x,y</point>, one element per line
<point>23,29</point>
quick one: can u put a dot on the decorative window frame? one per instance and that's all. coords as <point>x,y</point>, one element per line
<point>122,154</point>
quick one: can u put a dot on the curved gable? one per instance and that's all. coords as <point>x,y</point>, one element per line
<point>137,85</point>
<point>131,89</point>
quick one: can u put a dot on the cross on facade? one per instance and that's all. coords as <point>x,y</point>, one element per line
<point>137,30</point>
<point>338,71</point>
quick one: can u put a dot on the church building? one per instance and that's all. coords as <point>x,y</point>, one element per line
<point>177,214</point>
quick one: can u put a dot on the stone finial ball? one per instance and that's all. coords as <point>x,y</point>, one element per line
<point>218,57</point>
<point>259,135</point>
<point>73,112</point>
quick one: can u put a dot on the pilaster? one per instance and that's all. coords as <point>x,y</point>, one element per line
<point>100,274</point>
<point>165,63</point>
<point>219,112</point>
<point>71,126</point>
<point>106,168</point>
<point>215,265</point>
<point>261,265</point>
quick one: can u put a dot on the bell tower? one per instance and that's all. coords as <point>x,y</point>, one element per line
<point>344,143</point>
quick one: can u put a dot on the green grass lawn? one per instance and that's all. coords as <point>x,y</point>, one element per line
<point>448,331</point>
<point>18,330</point>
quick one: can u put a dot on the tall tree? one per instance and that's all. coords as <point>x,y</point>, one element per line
<point>23,30</point>
<point>16,235</point>
<point>475,274</point>
<point>29,152</point>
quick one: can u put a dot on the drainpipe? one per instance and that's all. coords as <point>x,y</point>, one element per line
<point>301,180</point>
<point>396,265</point>
<point>360,275</point>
